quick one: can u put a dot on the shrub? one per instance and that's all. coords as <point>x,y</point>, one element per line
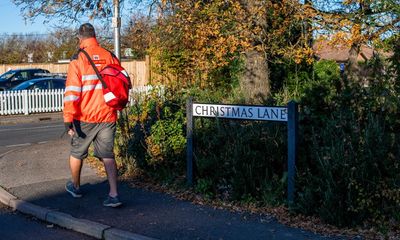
<point>352,167</point>
<point>347,171</point>
<point>351,148</point>
<point>242,159</point>
<point>151,137</point>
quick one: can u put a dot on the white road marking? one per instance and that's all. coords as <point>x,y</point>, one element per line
<point>29,128</point>
<point>19,145</point>
<point>10,151</point>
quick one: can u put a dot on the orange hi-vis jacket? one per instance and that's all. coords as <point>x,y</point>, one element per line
<point>83,97</point>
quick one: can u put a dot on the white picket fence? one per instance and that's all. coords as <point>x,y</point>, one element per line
<point>31,101</point>
<point>138,93</point>
<point>40,101</point>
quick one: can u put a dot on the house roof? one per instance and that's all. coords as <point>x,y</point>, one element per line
<point>340,53</point>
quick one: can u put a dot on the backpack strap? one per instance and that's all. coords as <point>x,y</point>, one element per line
<point>94,67</point>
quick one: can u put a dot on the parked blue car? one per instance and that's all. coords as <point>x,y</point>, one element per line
<point>41,84</point>
<point>12,78</point>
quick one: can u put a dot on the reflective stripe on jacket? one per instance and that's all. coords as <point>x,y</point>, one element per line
<point>83,97</point>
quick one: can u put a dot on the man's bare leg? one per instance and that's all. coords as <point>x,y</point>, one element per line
<point>111,170</point>
<point>75,166</point>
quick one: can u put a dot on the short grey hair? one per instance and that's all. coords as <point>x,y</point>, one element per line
<point>86,30</point>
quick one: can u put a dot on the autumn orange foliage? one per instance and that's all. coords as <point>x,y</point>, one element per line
<point>196,38</point>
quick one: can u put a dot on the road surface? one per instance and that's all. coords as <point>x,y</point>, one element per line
<point>13,137</point>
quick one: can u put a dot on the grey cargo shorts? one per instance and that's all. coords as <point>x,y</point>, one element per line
<point>101,134</point>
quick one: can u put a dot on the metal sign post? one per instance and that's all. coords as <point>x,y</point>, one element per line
<point>287,114</point>
<point>293,117</point>
<point>189,141</point>
<point>116,24</point>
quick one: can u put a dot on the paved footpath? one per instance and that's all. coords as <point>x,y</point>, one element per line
<point>33,179</point>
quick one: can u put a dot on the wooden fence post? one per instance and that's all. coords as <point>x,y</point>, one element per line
<point>147,75</point>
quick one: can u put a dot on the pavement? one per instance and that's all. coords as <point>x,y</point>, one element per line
<point>32,181</point>
<point>31,118</point>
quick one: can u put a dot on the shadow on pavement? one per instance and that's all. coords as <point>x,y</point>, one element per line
<point>157,215</point>
<point>38,174</point>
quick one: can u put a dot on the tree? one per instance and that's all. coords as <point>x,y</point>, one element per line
<point>63,43</point>
<point>70,11</point>
<point>199,38</point>
<point>65,9</point>
<point>193,39</point>
<point>354,23</point>
<point>137,34</point>
<point>38,48</point>
<point>24,48</point>
<point>201,42</point>
<point>10,50</point>
<point>277,33</point>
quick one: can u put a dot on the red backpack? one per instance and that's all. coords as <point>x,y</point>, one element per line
<point>116,83</point>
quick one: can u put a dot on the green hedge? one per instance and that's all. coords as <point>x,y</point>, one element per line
<point>348,170</point>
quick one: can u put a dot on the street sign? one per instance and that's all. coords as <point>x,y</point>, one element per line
<point>240,112</point>
<point>287,115</point>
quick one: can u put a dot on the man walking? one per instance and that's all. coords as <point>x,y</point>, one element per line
<point>87,118</point>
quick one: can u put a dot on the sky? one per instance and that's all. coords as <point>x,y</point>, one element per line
<point>11,21</point>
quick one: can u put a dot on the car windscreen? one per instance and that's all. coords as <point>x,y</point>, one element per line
<point>7,75</point>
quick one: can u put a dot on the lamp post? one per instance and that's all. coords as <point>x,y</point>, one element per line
<point>116,24</point>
